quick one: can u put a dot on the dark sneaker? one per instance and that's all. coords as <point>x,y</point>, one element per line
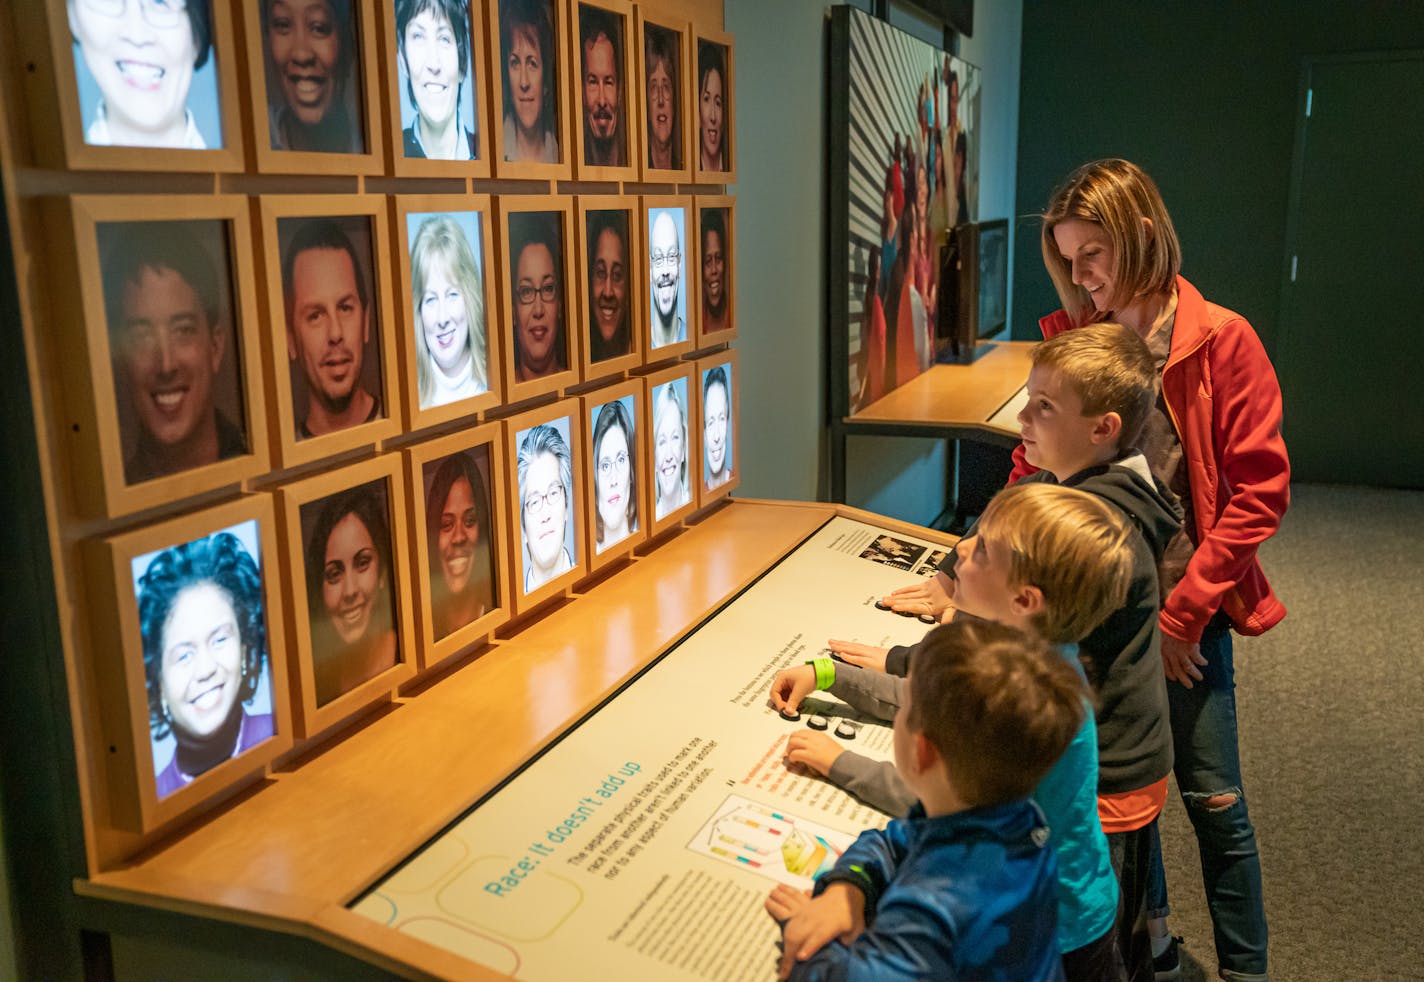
<point>1167,967</point>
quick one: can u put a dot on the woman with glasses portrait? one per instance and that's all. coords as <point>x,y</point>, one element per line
<point>615,475</point>
<point>536,287</point>
<point>545,489</point>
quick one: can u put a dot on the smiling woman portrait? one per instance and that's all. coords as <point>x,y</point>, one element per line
<point>528,79</point>
<point>434,52</point>
<point>447,292</point>
<point>313,98</point>
<point>457,529</point>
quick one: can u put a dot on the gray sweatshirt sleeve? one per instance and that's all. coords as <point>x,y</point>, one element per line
<point>873,693</point>
<point>875,782</point>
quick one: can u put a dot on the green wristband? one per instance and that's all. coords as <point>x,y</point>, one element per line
<point>825,673</point>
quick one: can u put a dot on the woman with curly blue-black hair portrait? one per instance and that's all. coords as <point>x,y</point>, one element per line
<point>204,653</point>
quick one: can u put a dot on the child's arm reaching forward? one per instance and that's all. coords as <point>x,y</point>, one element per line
<point>871,692</point>
<point>875,782</point>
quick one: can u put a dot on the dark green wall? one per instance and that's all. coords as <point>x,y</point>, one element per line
<point>1202,95</point>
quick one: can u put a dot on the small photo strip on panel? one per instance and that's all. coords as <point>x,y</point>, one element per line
<point>344,540</point>
<point>716,235</point>
<point>333,376</point>
<point>715,159</point>
<point>667,137</point>
<point>459,527</point>
<point>448,328</point>
<point>194,696</point>
<point>606,122</point>
<point>436,90</point>
<point>671,445</point>
<point>610,243</point>
<point>546,501</point>
<point>527,41</point>
<point>313,82</point>
<point>717,386</point>
<point>537,290</point>
<point>166,395</point>
<point>617,471</point>
<point>151,89</point>
<point>670,273</point>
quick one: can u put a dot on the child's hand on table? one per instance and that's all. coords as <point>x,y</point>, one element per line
<point>813,750</point>
<point>839,912</point>
<point>864,655</point>
<point>791,685</point>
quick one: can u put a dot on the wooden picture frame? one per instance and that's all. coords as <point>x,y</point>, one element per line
<point>658,211</point>
<point>430,59</point>
<point>127,455</point>
<point>143,710</point>
<point>553,85</point>
<point>590,22</point>
<point>629,420</point>
<point>439,228</point>
<point>668,37</point>
<point>598,229</point>
<point>342,503</point>
<point>724,426</point>
<point>543,429</point>
<point>212,114</point>
<point>438,464</point>
<point>666,505</point>
<point>324,144</point>
<point>708,333</point>
<point>713,50</point>
<point>291,363</point>
<point>517,232</point>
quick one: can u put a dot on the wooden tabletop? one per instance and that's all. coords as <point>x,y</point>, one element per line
<point>291,854</point>
<point>958,396</point>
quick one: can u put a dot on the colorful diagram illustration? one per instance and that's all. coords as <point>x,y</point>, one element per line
<point>783,847</point>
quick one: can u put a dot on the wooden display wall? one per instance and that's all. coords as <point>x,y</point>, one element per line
<point>280,392</point>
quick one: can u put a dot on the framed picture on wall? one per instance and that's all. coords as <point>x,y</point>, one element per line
<point>716,235</point>
<point>459,527</point>
<point>165,394</point>
<point>537,290</point>
<point>717,384</point>
<point>670,273</point>
<point>193,696</point>
<point>154,93</point>
<point>617,471</point>
<point>671,445</point>
<point>332,373</point>
<point>528,39</point>
<point>546,501</point>
<point>450,329</point>
<point>344,538</point>
<point>663,47</point>
<point>605,125</point>
<point>715,161</point>
<point>313,85</point>
<point>435,88</point>
<point>610,303</point>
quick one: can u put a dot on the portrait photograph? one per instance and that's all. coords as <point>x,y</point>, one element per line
<point>715,232</point>
<point>146,76</point>
<point>311,62</point>
<point>449,314</point>
<point>613,455</point>
<point>174,345</point>
<point>672,488</point>
<point>437,45</point>
<point>667,276</point>
<point>206,663</point>
<point>604,107</point>
<point>664,101</point>
<point>546,502</point>
<point>713,99</point>
<point>527,78</point>
<point>609,275</point>
<point>348,564</point>
<point>538,295</point>
<point>331,324</point>
<point>718,426</point>
<point>459,534</point>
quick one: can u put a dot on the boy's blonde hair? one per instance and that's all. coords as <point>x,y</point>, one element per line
<point>999,705</point>
<point>1072,545</point>
<point>1115,194</point>
<point>1110,368</point>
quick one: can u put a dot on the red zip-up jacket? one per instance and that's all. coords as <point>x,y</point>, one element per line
<point>1225,402</point>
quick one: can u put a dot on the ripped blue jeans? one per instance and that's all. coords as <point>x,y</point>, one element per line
<point>1207,766</point>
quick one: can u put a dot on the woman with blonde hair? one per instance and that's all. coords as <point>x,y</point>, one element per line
<point>448,295</point>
